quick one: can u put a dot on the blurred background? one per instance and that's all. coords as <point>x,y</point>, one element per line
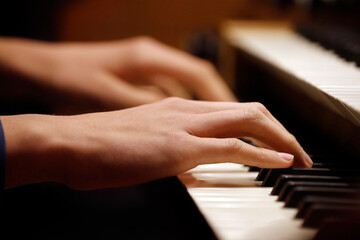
<point>171,22</point>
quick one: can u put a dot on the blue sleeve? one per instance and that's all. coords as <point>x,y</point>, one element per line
<point>2,158</point>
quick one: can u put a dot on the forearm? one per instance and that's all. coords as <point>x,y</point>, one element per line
<point>74,150</point>
<point>28,57</point>
<point>24,65</point>
<point>35,151</point>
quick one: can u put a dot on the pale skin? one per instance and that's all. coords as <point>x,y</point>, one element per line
<point>107,75</point>
<point>139,144</point>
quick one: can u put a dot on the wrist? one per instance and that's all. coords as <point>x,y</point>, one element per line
<point>36,150</point>
<point>23,60</point>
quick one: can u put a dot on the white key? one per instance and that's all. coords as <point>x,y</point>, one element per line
<point>242,209</point>
<point>309,62</point>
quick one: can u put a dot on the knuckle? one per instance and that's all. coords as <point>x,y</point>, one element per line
<point>252,114</point>
<point>292,140</point>
<point>177,104</point>
<point>262,156</point>
<point>259,106</point>
<point>144,41</point>
<point>233,146</point>
<point>141,48</point>
<point>173,100</point>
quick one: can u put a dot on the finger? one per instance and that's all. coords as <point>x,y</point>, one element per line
<point>235,151</point>
<point>197,75</point>
<point>170,86</point>
<point>207,107</point>
<point>220,106</point>
<point>258,143</point>
<point>255,105</point>
<point>120,94</point>
<point>248,123</point>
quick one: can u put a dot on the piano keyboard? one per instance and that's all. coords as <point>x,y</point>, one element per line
<point>344,41</point>
<point>237,206</point>
<point>319,203</point>
<point>319,72</point>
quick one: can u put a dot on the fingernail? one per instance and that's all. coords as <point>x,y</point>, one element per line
<point>308,159</point>
<point>286,156</point>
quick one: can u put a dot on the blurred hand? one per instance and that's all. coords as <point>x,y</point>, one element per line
<point>83,77</point>
<point>144,143</point>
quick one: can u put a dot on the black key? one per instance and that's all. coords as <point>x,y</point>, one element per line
<point>335,165</point>
<point>333,158</point>
<point>263,171</point>
<point>291,184</point>
<point>307,202</point>
<point>285,178</point>
<point>273,174</point>
<point>326,157</point>
<point>319,212</point>
<point>262,174</point>
<point>298,193</point>
<point>254,169</point>
<point>343,41</point>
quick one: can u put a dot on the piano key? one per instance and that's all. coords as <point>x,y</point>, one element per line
<point>308,201</point>
<point>262,174</point>
<point>239,212</point>
<point>254,169</point>
<point>323,77</point>
<point>298,193</point>
<point>292,184</point>
<point>319,212</point>
<point>273,174</point>
<point>280,48</point>
<point>339,164</point>
<point>232,210</point>
<point>343,41</point>
<point>285,178</point>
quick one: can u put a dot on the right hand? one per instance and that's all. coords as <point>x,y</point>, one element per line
<point>144,143</point>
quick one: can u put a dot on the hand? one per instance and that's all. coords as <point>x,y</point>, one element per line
<point>84,77</point>
<point>143,143</point>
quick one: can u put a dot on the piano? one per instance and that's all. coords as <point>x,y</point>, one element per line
<point>309,80</point>
<point>312,89</point>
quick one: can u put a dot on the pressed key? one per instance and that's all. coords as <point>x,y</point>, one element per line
<point>306,203</point>
<point>291,184</point>
<point>319,212</point>
<point>298,193</point>
<point>273,174</point>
